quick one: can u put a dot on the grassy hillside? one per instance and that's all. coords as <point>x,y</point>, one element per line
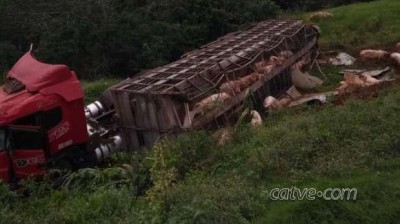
<point>194,180</point>
<point>362,25</point>
<point>93,89</point>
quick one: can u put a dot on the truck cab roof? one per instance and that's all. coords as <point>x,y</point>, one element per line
<point>39,82</point>
<point>36,75</point>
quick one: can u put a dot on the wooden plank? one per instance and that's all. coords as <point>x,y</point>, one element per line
<point>169,117</point>
<point>153,122</point>
<point>126,117</point>
<point>141,116</point>
<point>146,119</point>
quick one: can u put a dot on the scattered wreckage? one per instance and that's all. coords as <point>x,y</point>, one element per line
<point>354,80</point>
<point>206,89</point>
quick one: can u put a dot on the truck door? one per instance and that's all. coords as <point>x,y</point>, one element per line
<point>4,157</point>
<point>27,150</point>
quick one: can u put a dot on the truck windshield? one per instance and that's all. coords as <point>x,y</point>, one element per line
<point>2,139</point>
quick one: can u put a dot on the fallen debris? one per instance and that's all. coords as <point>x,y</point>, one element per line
<point>304,80</point>
<point>366,93</point>
<point>389,76</point>
<point>373,73</point>
<point>353,82</point>
<point>342,59</point>
<point>293,93</point>
<point>321,98</point>
<point>361,83</point>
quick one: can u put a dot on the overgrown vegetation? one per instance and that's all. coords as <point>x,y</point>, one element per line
<point>359,26</point>
<point>105,37</point>
<point>196,181</point>
<point>309,5</point>
<point>93,89</point>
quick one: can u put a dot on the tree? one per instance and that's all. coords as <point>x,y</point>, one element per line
<point>122,37</point>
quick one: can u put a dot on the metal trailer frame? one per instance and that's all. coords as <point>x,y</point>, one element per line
<point>155,103</point>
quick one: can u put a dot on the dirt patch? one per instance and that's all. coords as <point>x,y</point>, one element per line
<point>365,93</point>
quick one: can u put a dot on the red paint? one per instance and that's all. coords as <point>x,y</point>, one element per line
<point>47,87</point>
<point>37,75</point>
<point>28,163</point>
<point>4,166</point>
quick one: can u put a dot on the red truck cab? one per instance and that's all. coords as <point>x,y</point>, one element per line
<point>42,118</point>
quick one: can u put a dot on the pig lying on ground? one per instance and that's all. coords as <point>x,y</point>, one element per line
<point>353,82</point>
<point>397,48</point>
<point>373,54</point>
<point>396,58</point>
<point>255,118</point>
<point>271,102</point>
<point>320,15</point>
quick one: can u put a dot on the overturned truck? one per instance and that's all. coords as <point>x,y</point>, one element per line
<point>207,88</point>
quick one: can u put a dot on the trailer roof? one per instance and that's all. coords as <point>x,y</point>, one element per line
<point>198,72</point>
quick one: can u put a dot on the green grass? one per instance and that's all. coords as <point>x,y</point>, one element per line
<point>359,26</point>
<point>93,89</point>
<point>196,181</point>
<point>355,145</point>
<point>375,202</point>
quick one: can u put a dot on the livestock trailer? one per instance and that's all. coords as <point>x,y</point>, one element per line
<point>160,102</point>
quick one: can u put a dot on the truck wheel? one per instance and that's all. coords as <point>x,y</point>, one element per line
<point>107,100</point>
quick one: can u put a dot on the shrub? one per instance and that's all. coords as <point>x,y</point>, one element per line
<point>188,152</point>
<point>105,37</point>
<point>201,199</point>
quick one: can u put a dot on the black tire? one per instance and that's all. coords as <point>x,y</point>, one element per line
<point>107,100</point>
